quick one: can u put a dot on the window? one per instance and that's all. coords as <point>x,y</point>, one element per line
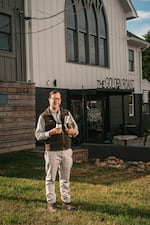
<point>5,32</point>
<point>131,105</point>
<point>86,32</point>
<point>131,60</point>
<point>71,34</point>
<point>82,34</point>
<point>93,37</point>
<point>103,39</point>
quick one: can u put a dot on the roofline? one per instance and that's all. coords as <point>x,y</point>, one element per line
<point>129,8</point>
<point>133,39</point>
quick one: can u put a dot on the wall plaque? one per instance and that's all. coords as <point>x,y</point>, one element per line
<point>3,99</point>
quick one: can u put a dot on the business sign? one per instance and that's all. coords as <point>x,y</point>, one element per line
<point>93,114</point>
<point>115,83</point>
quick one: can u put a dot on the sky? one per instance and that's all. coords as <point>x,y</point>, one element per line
<point>141,25</point>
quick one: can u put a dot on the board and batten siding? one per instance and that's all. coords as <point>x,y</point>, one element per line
<point>12,63</point>
<point>49,51</point>
<point>17,116</point>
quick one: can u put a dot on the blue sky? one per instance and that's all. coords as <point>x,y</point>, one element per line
<point>140,25</point>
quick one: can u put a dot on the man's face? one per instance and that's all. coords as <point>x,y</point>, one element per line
<point>55,101</point>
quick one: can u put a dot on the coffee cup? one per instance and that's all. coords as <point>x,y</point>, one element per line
<point>58,125</point>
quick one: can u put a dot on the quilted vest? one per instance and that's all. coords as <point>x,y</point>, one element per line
<point>59,141</point>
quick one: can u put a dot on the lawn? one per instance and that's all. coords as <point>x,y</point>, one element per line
<point>103,196</point>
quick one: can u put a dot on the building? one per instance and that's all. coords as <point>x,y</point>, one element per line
<point>82,48</point>
<point>17,97</point>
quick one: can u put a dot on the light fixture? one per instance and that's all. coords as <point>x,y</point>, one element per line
<point>48,82</point>
<point>55,83</point>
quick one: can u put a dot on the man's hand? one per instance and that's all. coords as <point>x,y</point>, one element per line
<point>55,131</point>
<point>70,131</point>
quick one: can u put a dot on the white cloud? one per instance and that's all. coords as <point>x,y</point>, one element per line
<point>145,0</point>
<point>143,15</point>
<point>139,30</point>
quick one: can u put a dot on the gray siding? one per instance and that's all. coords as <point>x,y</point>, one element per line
<point>12,64</point>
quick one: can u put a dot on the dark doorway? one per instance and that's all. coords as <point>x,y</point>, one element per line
<point>88,111</point>
<point>95,121</point>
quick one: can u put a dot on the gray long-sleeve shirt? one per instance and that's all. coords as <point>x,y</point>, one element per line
<point>40,132</point>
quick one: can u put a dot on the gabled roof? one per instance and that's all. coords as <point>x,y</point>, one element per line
<point>129,9</point>
<point>137,41</point>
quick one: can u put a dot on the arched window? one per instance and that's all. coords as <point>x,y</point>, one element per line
<point>86,32</point>
<point>93,37</point>
<point>102,39</point>
<point>71,31</point>
<point>82,36</point>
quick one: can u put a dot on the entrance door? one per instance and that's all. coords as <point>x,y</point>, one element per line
<point>95,126</point>
<point>88,113</point>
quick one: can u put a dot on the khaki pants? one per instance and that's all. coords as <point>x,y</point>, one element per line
<point>61,162</point>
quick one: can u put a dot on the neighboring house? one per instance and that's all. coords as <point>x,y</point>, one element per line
<point>138,103</point>
<point>82,48</point>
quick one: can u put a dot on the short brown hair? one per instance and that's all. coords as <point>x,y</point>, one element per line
<point>54,92</point>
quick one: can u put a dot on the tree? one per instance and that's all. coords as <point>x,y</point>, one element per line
<point>146,59</point>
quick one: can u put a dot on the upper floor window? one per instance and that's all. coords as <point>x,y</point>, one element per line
<point>5,32</point>
<point>93,37</point>
<point>71,32</point>
<point>86,32</point>
<point>82,34</point>
<point>103,39</point>
<point>131,60</point>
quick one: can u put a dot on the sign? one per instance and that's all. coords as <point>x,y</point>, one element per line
<point>115,83</point>
<point>94,114</point>
<point>3,99</point>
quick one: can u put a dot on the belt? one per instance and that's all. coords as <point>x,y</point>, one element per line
<point>47,148</point>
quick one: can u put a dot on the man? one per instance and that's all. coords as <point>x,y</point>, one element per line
<point>56,126</point>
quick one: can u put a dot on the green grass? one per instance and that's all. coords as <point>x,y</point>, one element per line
<point>102,195</point>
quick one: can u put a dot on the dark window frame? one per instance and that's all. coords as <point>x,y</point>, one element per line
<point>5,32</point>
<point>103,57</point>
<point>131,60</point>
<point>93,37</point>
<point>71,32</point>
<point>97,41</point>
<point>82,34</point>
<point>131,105</point>
<point>3,52</point>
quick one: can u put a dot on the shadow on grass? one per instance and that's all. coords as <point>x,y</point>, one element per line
<point>115,210</point>
<point>22,165</point>
<point>105,208</point>
<point>21,199</point>
<point>90,173</point>
<point>31,165</point>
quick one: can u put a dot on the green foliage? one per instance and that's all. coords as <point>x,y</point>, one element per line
<point>146,59</point>
<point>103,196</point>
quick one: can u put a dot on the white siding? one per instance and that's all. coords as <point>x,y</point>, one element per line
<point>48,47</point>
<point>136,75</point>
